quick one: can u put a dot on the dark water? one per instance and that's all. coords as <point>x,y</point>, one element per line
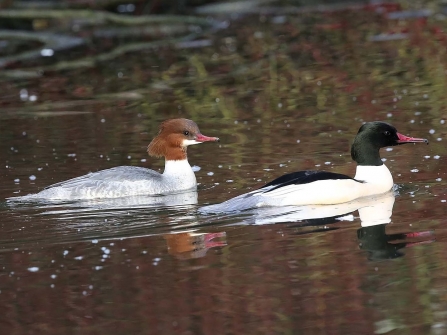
<point>283,93</point>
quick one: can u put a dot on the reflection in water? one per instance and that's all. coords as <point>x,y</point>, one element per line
<point>172,216</point>
<point>380,245</point>
<point>374,214</point>
<point>98,219</point>
<point>186,245</point>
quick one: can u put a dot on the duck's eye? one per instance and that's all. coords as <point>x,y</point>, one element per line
<point>387,133</point>
<point>186,133</point>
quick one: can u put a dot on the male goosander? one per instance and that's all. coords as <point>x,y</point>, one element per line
<point>173,138</point>
<point>327,188</point>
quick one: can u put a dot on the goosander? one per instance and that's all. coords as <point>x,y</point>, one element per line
<point>173,138</point>
<point>327,188</point>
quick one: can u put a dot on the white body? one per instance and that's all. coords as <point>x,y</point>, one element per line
<point>122,181</point>
<point>375,180</point>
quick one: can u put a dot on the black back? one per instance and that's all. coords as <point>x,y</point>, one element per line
<point>304,177</point>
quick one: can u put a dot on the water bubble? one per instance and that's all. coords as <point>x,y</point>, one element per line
<point>414,170</point>
<point>47,52</point>
<point>210,173</point>
<point>33,269</point>
<point>23,94</point>
<point>431,131</point>
<point>436,157</point>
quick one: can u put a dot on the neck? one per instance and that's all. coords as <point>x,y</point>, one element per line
<point>377,179</point>
<point>178,168</point>
<point>179,174</point>
<point>365,154</point>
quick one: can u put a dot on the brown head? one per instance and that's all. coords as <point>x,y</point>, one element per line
<point>186,245</point>
<point>174,137</point>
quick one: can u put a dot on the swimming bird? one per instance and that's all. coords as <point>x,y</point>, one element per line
<point>173,138</point>
<point>327,188</point>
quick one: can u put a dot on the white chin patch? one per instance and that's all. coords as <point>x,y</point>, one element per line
<point>190,142</point>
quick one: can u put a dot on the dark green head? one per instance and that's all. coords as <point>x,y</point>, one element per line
<point>375,135</point>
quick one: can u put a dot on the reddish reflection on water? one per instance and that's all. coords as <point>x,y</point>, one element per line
<point>283,95</point>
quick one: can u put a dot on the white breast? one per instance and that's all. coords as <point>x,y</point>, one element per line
<point>377,179</point>
<point>179,175</point>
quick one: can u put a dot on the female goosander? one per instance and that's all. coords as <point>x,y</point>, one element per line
<point>173,138</point>
<point>327,188</point>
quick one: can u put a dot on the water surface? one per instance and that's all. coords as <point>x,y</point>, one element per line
<point>284,93</point>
